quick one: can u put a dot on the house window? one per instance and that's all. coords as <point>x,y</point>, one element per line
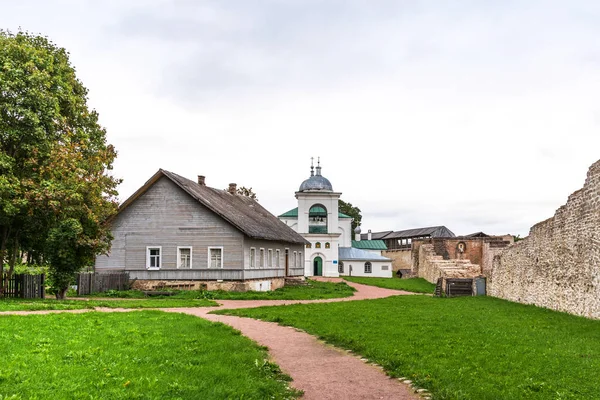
<point>252,257</point>
<point>384,267</point>
<point>318,245</point>
<point>184,257</point>
<point>261,258</point>
<point>270,258</point>
<point>294,260</point>
<point>327,245</point>
<point>277,258</point>
<point>299,262</point>
<point>341,267</point>
<point>368,267</point>
<point>215,257</point>
<point>308,245</point>
<point>153,257</point>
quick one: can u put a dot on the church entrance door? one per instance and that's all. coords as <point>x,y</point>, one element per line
<point>318,266</point>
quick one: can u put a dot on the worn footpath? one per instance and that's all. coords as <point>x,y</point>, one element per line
<point>320,370</point>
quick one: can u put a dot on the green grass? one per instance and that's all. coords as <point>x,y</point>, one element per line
<point>314,290</point>
<point>418,285</point>
<point>52,304</point>
<point>136,355</point>
<point>460,348</point>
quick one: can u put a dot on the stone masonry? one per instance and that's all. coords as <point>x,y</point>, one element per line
<point>558,265</point>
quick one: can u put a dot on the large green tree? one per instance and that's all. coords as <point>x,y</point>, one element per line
<point>350,210</point>
<point>55,189</point>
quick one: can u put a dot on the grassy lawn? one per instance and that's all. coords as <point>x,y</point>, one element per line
<point>137,355</point>
<point>312,291</point>
<point>461,348</point>
<point>52,304</point>
<point>418,285</point>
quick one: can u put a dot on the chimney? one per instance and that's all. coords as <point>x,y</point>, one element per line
<point>369,235</point>
<point>232,188</point>
<point>201,180</point>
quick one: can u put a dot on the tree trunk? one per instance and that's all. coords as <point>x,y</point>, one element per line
<point>3,242</point>
<point>60,294</point>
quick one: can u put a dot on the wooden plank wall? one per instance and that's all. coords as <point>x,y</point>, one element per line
<point>89,283</point>
<point>26,286</point>
<point>166,216</point>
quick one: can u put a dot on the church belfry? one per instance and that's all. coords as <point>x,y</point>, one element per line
<point>319,223</point>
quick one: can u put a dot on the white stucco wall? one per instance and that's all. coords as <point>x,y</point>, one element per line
<point>358,269</point>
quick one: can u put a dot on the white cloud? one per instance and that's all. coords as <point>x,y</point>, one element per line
<point>475,116</point>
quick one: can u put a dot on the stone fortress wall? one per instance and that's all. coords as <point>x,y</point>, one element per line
<point>558,265</point>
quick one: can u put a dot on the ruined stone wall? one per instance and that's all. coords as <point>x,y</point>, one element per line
<point>558,265</point>
<point>401,259</point>
<point>433,266</point>
<point>427,268</point>
<point>448,248</point>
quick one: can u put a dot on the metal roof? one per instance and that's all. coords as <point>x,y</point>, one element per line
<point>350,254</point>
<point>433,231</point>
<point>375,235</point>
<point>369,244</point>
<point>294,214</point>
<point>477,235</point>
<point>244,213</point>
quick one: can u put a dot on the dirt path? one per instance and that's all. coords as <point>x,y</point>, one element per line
<point>320,370</point>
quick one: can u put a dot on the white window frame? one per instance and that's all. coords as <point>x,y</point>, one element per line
<point>294,259</point>
<point>148,248</point>
<point>299,262</point>
<point>270,258</point>
<point>261,257</point>
<point>179,248</point>
<point>252,257</point>
<point>370,269</point>
<point>222,256</point>
<point>277,258</point>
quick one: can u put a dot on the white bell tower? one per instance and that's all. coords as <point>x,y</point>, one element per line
<point>318,222</point>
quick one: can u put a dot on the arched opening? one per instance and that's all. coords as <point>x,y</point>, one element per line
<point>318,266</point>
<point>317,219</point>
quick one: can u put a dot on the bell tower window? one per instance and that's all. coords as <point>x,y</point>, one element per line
<point>317,219</point>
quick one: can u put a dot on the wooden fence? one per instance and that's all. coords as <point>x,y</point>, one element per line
<point>459,287</point>
<point>25,286</point>
<point>94,282</point>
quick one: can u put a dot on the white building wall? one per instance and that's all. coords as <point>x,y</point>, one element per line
<point>345,228</point>
<point>379,269</point>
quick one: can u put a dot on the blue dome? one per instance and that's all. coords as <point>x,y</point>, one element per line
<point>316,182</point>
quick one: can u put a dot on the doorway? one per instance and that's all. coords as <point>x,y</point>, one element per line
<point>287,262</point>
<point>318,266</point>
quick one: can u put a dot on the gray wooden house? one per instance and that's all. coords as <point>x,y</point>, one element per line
<point>175,229</point>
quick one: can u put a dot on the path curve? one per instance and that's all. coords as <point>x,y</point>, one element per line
<point>322,371</point>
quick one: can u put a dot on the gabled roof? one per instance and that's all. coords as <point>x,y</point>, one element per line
<point>294,214</point>
<point>433,231</point>
<point>350,253</point>
<point>242,212</point>
<point>375,235</point>
<point>477,235</point>
<point>369,244</point>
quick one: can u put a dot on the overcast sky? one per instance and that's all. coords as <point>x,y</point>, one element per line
<point>476,115</point>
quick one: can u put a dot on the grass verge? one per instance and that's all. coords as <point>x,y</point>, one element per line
<point>313,290</point>
<point>460,348</point>
<point>137,355</point>
<point>417,285</point>
<point>52,304</point>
